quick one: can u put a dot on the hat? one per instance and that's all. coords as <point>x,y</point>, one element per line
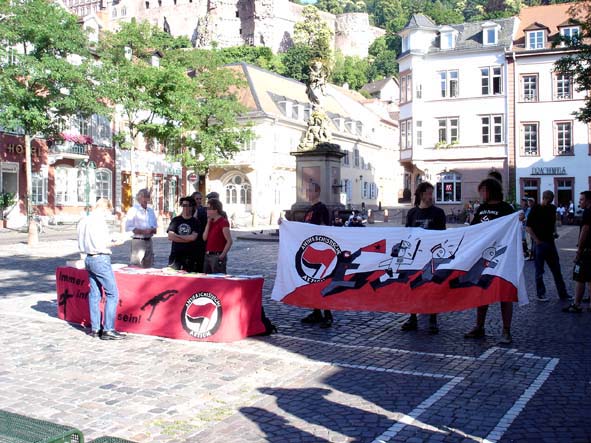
<point>213,195</point>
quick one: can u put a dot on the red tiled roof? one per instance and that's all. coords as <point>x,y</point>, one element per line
<point>550,17</point>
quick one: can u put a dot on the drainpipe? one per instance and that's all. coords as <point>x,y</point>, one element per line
<point>513,186</point>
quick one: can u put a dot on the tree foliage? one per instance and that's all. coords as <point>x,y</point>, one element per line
<point>314,33</point>
<point>194,115</point>
<point>349,70</point>
<point>578,64</point>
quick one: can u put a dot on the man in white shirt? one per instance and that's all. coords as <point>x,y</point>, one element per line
<point>94,241</point>
<point>141,223</point>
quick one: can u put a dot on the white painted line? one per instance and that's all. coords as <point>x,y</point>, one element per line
<point>497,433</point>
<point>411,418</point>
<point>394,371</point>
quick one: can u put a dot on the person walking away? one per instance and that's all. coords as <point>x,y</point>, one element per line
<point>493,206</point>
<point>141,223</point>
<point>570,213</point>
<point>582,268</point>
<point>201,216</point>
<point>427,216</point>
<point>95,242</point>
<point>217,237</point>
<point>317,214</point>
<point>183,232</point>
<point>541,226</point>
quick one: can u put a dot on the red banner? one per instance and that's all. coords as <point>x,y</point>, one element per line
<point>185,307</point>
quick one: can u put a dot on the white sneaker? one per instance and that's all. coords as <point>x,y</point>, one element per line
<point>542,298</point>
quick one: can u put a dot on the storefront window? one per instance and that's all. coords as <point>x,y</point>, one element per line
<point>449,188</point>
<point>104,184</point>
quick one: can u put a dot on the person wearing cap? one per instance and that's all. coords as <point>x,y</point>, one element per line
<point>218,239</point>
<point>141,223</point>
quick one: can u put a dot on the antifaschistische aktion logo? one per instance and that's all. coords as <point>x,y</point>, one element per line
<point>316,258</point>
<point>202,315</point>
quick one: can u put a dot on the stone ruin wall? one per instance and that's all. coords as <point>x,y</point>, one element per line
<point>259,23</point>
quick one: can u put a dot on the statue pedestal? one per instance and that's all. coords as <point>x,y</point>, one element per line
<point>320,166</point>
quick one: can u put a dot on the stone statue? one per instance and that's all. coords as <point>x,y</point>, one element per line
<point>316,133</point>
<point>316,88</point>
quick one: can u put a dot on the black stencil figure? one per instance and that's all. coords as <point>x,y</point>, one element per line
<point>431,271</point>
<point>338,283</point>
<point>474,276</point>
<point>157,299</point>
<point>63,300</point>
<point>399,257</point>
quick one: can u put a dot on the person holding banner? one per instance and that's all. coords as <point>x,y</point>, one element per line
<point>493,206</point>
<point>427,216</point>
<point>317,215</point>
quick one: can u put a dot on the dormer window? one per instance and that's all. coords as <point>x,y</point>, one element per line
<point>571,33</point>
<point>536,39</point>
<point>285,107</point>
<point>447,37</point>
<point>490,33</point>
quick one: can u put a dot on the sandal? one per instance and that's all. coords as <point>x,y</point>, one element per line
<point>573,309</point>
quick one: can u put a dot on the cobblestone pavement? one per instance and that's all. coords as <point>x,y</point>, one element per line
<point>361,381</point>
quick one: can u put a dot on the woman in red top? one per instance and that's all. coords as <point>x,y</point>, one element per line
<point>218,240</point>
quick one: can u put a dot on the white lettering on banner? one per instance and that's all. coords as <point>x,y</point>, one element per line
<point>400,269</point>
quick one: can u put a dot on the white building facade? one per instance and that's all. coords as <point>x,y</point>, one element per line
<point>453,106</point>
<point>552,149</point>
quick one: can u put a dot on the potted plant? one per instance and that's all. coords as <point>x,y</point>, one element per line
<point>6,201</point>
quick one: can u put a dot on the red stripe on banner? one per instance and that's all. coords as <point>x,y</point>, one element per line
<point>428,298</point>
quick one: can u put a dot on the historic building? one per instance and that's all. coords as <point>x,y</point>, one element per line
<point>259,181</point>
<point>267,23</point>
<point>453,98</point>
<point>548,147</point>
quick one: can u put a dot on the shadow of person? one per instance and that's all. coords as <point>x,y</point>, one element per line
<point>48,307</point>
<point>311,406</point>
<point>277,428</point>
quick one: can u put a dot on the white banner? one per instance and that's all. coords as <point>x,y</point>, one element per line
<point>400,269</point>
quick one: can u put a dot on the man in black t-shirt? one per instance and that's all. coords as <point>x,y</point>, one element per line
<point>183,232</point>
<point>317,215</point>
<point>491,193</point>
<point>582,269</point>
<point>427,216</point>
<point>541,226</point>
<point>200,213</point>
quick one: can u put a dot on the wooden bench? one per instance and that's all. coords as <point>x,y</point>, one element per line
<point>15,428</point>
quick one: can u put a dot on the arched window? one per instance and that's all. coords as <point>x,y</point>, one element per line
<point>123,11</point>
<point>238,191</point>
<point>449,188</point>
<point>104,184</point>
<point>114,13</point>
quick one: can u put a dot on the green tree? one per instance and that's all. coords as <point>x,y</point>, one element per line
<point>332,6</point>
<point>296,62</point>
<point>314,33</point>
<point>578,63</point>
<point>382,60</point>
<point>184,101</point>
<point>351,70</point>
<point>47,72</point>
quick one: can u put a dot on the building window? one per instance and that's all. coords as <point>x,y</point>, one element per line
<point>490,36</point>
<point>346,158</point>
<point>419,91</point>
<point>529,88</point>
<point>563,87</point>
<point>492,129</point>
<point>449,83</point>
<point>405,88</point>
<point>114,13</point>
<point>405,43</point>
<point>530,139</point>
<point>449,188</point>
<point>491,80</point>
<point>39,188</point>
<point>238,191</point>
<point>447,40</point>
<point>356,157</point>
<point>406,134</point>
<point>402,88</point>
<point>563,138</point>
<point>419,133</point>
<point>448,130</point>
<point>531,188</point>
<point>536,39</point>
<point>365,190</point>
<point>104,184</point>
<point>123,11</point>
<point>570,33</point>
<point>348,189</point>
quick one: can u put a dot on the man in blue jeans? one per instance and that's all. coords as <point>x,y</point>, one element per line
<point>94,241</point>
<point>541,226</point>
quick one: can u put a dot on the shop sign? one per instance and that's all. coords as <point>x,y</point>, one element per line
<point>558,170</point>
<point>19,149</point>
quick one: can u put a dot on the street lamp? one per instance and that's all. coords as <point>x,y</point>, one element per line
<point>88,165</point>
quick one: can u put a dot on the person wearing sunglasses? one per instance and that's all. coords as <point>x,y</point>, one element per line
<point>183,232</point>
